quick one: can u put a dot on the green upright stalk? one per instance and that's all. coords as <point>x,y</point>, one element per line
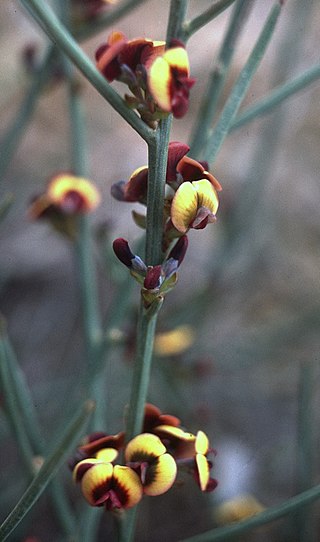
<point>47,471</point>
<point>12,137</point>
<point>158,154</point>
<point>276,97</point>
<point>305,447</point>
<point>241,86</point>
<point>218,77</point>
<point>190,27</point>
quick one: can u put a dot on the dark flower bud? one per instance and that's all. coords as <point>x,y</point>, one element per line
<point>123,252</point>
<point>153,278</point>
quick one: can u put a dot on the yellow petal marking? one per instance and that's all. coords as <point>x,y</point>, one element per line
<point>189,197</point>
<point>160,475</point>
<point>159,79</point>
<point>144,446</point>
<point>62,184</point>
<point>207,195</point>
<point>96,482</point>
<point>107,454</point>
<point>128,481</point>
<point>202,443</point>
<point>85,462</point>
<point>203,471</point>
<point>176,432</point>
<point>177,57</point>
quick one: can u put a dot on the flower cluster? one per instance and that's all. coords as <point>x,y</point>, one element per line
<point>66,197</point>
<point>158,77</point>
<point>191,201</point>
<point>152,460</point>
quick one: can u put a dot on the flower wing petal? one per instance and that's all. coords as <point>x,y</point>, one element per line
<point>127,485</point>
<point>160,475</point>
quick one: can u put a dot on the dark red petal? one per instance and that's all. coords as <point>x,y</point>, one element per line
<point>153,277</point>
<point>122,251</point>
<point>190,169</point>
<point>179,250</point>
<point>176,152</point>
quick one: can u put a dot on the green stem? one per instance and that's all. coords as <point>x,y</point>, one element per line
<point>62,37</point>
<point>121,9</point>
<point>12,407</point>
<point>178,9</point>
<point>190,27</point>
<point>241,86</point>
<point>14,133</point>
<point>158,154</point>
<point>276,97</point>
<point>304,525</point>
<point>26,428</point>
<point>141,374</point>
<point>218,77</point>
<point>47,471</point>
<point>271,514</point>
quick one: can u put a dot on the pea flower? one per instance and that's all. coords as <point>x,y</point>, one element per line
<point>194,205</point>
<point>190,451</point>
<point>157,469</point>
<point>68,195</point>
<point>105,484</point>
<point>66,198</point>
<point>169,80</point>
<point>180,169</point>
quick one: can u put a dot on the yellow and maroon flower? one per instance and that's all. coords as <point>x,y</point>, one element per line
<point>104,484</point>
<point>194,205</point>
<point>180,169</point>
<point>66,194</point>
<point>190,451</point>
<point>149,458</point>
<point>119,58</point>
<point>169,80</point>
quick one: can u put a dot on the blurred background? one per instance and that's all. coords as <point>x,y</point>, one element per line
<point>248,289</point>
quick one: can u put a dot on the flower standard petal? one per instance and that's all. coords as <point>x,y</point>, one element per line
<point>160,476</point>
<point>107,454</point>
<point>159,82</point>
<point>73,194</point>
<point>82,467</point>
<point>189,199</point>
<point>184,206</point>
<point>144,447</point>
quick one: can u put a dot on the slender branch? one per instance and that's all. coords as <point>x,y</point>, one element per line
<point>178,9</point>
<point>14,133</point>
<point>158,154</point>
<point>271,514</point>
<point>218,76</point>
<point>47,471</point>
<point>241,86</point>
<point>190,27</point>
<point>304,525</point>
<point>62,37</point>
<point>276,97</point>
<point>11,406</point>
